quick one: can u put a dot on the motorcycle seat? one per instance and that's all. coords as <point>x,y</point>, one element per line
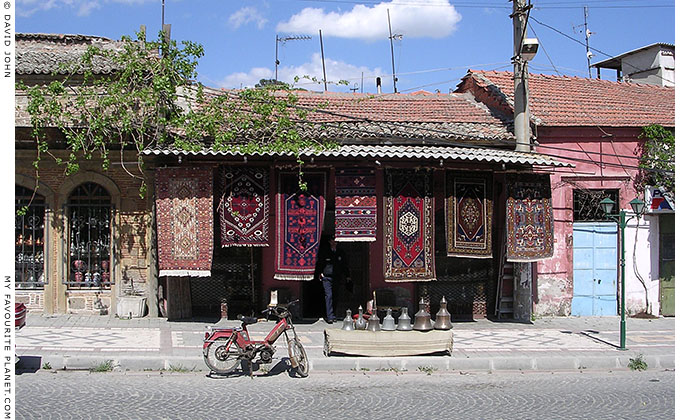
<point>248,320</point>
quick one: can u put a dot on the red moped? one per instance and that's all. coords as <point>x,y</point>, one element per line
<point>225,348</point>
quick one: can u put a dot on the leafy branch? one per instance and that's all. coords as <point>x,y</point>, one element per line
<point>153,99</point>
<point>657,159</point>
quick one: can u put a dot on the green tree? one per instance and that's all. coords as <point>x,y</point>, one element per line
<point>153,99</point>
<point>657,159</point>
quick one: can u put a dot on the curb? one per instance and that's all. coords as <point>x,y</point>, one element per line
<point>364,364</point>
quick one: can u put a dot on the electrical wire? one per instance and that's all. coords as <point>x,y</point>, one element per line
<point>595,49</point>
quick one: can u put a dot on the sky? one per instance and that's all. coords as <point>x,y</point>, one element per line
<point>441,39</point>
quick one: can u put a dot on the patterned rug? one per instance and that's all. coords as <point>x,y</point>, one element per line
<point>243,211</point>
<point>408,226</point>
<point>355,205</point>
<point>300,222</point>
<point>529,218</point>
<point>469,207</point>
<point>184,216</point>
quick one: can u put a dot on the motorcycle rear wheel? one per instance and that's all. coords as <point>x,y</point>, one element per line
<point>220,360</point>
<point>300,355</point>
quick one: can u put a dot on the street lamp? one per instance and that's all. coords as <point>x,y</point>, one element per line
<point>637,206</point>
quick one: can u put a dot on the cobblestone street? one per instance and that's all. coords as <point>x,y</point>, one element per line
<point>365,394</point>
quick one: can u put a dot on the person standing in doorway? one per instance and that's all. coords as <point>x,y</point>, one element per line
<point>331,268</point>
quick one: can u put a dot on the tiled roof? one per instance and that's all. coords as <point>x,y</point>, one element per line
<point>469,154</point>
<point>574,101</point>
<point>415,117</point>
<point>43,54</point>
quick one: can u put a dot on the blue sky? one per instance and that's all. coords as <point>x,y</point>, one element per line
<point>441,39</point>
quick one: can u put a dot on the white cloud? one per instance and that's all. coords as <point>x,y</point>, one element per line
<point>335,71</point>
<point>26,8</point>
<point>429,18</point>
<point>246,15</point>
<point>241,79</point>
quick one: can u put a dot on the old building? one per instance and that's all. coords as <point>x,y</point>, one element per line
<point>594,125</point>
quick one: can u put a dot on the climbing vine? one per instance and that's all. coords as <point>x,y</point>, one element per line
<point>657,159</point>
<point>154,100</point>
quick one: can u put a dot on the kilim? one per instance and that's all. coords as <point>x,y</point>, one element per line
<point>355,205</point>
<point>243,210</point>
<point>184,216</point>
<point>529,218</point>
<point>408,226</point>
<point>469,207</point>
<point>299,217</point>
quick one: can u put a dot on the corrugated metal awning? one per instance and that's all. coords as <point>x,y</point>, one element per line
<point>470,154</point>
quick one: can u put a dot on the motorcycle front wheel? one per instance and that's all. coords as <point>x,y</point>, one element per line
<point>300,356</point>
<point>220,358</point>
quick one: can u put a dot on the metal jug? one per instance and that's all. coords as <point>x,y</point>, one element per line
<point>388,321</point>
<point>404,321</point>
<point>374,322</point>
<point>348,322</point>
<point>443,316</point>
<point>361,323</point>
<point>422,319</point>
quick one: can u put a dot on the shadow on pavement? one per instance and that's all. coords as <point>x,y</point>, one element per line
<point>28,364</point>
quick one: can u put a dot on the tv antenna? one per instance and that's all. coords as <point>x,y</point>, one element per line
<point>587,33</point>
<point>391,36</point>
<point>284,40</point>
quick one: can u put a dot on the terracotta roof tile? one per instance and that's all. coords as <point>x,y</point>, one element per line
<point>574,101</point>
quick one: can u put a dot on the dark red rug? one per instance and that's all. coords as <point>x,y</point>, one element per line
<point>355,205</point>
<point>300,217</point>
<point>243,211</point>
<point>184,216</point>
<point>469,207</point>
<point>408,226</point>
<point>529,218</point>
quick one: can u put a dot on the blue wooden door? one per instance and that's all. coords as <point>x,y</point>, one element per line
<point>595,268</point>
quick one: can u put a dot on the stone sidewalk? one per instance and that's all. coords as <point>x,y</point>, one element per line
<point>551,344</point>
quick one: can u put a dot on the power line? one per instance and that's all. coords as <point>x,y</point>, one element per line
<point>597,50</point>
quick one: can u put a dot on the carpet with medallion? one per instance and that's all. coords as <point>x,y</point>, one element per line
<point>408,226</point>
<point>243,208</point>
<point>469,208</point>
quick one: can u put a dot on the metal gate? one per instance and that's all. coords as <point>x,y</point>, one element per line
<point>595,269</point>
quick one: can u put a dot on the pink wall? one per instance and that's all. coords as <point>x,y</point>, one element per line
<point>598,155</point>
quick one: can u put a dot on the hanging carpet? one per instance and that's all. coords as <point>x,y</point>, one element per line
<point>529,218</point>
<point>299,217</point>
<point>355,205</point>
<point>469,207</point>
<point>408,226</point>
<point>243,210</point>
<point>184,217</point>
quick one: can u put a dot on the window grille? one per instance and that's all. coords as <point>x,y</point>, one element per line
<point>88,219</point>
<point>586,206</point>
<point>29,238</point>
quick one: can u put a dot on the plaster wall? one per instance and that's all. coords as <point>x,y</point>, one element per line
<point>641,273</point>
<point>598,161</point>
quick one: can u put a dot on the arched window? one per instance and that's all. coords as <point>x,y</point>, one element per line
<point>88,210</point>
<point>29,238</point>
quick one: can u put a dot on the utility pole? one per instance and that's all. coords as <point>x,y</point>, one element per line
<point>283,40</point>
<point>323,63</point>
<point>392,37</point>
<point>520,75</point>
